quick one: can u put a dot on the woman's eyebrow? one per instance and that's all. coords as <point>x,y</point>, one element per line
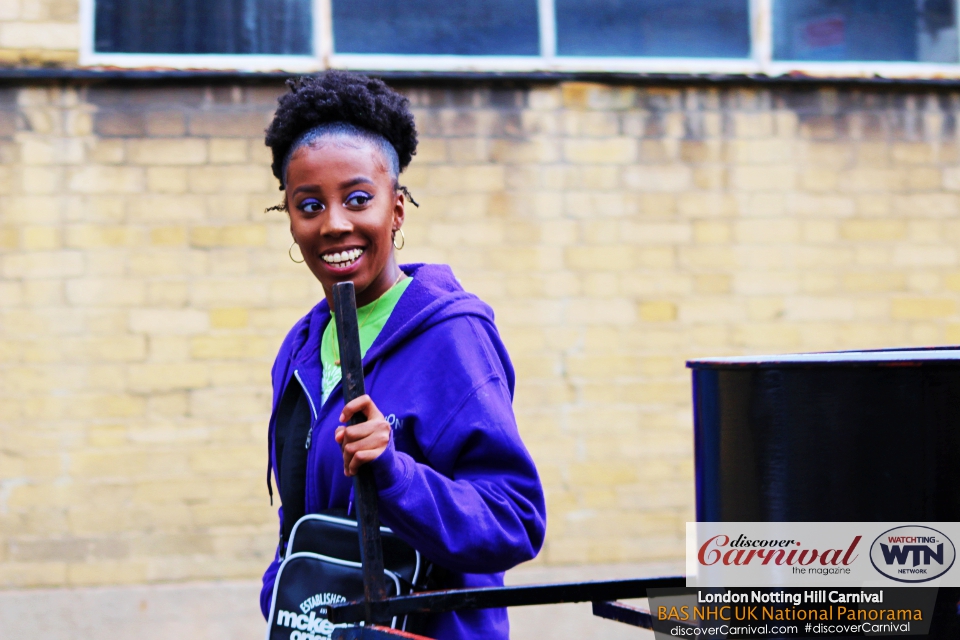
<point>305,187</point>
<point>355,181</point>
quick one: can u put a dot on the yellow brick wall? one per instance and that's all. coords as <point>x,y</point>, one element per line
<point>616,231</point>
<point>39,32</point>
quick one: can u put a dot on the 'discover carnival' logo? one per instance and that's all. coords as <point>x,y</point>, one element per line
<point>912,554</point>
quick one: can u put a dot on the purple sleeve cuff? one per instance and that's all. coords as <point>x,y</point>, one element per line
<point>391,469</point>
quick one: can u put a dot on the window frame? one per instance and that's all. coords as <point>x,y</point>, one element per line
<point>760,61</point>
<point>195,61</point>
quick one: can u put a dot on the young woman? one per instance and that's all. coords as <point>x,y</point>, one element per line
<point>454,479</point>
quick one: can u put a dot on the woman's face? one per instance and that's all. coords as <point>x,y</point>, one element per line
<point>344,210</point>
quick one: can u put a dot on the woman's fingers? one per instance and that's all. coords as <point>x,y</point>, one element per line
<point>363,405</point>
<point>364,441</point>
<point>362,458</point>
<point>376,440</point>
<point>363,451</point>
<point>355,435</point>
<point>366,451</point>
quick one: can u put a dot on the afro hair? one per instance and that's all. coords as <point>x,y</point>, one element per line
<point>339,96</point>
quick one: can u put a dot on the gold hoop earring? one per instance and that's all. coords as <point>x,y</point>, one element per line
<point>403,239</point>
<point>290,253</point>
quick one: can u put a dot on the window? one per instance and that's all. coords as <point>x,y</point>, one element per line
<point>893,38</point>
<point>436,27</point>
<point>197,34</point>
<point>653,28</point>
<point>203,26</point>
<point>867,30</point>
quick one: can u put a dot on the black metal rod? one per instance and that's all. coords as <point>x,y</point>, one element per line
<point>623,613</point>
<point>364,487</point>
<point>493,597</point>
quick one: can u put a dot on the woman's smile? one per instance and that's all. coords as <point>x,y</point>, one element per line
<point>343,261</point>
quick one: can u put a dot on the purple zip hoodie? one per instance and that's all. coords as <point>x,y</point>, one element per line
<point>456,481</point>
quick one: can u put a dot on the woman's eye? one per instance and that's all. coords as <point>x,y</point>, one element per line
<point>310,205</point>
<point>358,199</point>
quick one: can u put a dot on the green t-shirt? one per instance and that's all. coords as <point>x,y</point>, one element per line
<point>371,318</point>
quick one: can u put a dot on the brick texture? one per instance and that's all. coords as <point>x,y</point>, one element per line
<point>39,32</point>
<point>615,231</point>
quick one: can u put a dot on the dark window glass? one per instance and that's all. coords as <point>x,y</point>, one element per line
<point>656,28</point>
<point>897,30</point>
<point>203,26</point>
<point>451,27</point>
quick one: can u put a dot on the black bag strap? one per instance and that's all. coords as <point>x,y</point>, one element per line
<point>292,427</point>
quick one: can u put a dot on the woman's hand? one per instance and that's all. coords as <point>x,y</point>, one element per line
<point>362,442</point>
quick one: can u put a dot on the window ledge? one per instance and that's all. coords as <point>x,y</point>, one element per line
<point>19,75</point>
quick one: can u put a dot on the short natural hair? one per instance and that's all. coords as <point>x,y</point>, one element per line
<point>347,101</point>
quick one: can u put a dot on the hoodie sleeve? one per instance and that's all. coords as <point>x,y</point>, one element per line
<point>269,577</point>
<point>476,505</point>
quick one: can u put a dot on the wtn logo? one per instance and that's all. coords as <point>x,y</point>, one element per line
<point>904,549</point>
<point>900,554</point>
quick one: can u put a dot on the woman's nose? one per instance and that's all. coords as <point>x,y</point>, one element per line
<point>337,222</point>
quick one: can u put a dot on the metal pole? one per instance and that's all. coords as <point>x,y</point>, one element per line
<point>495,597</point>
<point>364,487</point>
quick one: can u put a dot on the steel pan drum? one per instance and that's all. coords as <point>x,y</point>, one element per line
<point>847,436</point>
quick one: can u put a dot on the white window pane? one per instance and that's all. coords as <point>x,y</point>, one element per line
<point>655,28</point>
<point>867,30</point>
<point>441,27</point>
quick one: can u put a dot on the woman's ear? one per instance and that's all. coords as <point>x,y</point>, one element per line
<point>399,210</point>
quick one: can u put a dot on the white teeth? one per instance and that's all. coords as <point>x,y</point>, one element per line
<point>342,258</point>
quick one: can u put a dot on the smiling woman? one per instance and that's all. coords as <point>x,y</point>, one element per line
<point>454,479</point>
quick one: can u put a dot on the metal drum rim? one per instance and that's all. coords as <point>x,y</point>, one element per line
<point>905,357</point>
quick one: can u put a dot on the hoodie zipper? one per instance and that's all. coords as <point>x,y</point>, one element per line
<point>313,407</point>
